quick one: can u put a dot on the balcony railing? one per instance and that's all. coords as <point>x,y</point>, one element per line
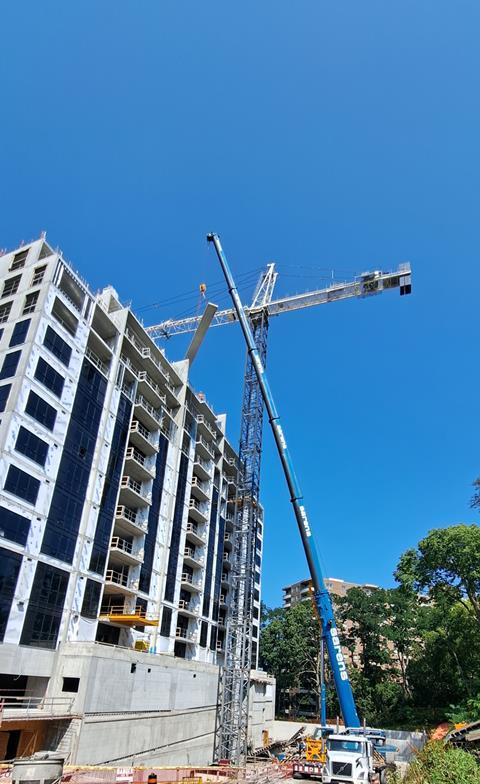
<point>184,634</point>
<point>188,578</point>
<point>143,376</point>
<point>203,486</point>
<point>132,484</point>
<point>119,578</point>
<point>202,421</point>
<point>187,606</point>
<point>155,413</point>
<point>192,528</point>
<point>28,705</point>
<point>131,515</point>
<point>206,445</point>
<point>122,544</point>
<point>101,366</point>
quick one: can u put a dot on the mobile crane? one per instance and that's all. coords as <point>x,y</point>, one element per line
<point>345,772</point>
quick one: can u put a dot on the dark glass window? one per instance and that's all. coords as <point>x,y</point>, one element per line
<point>22,485</point>
<point>91,599</point>
<point>218,569</point>
<point>256,595</point>
<point>258,559</point>
<point>11,286</point>
<point>38,275</point>
<point>49,377</point>
<point>213,638</point>
<point>30,303</point>
<point>210,551</point>
<point>166,622</point>
<point>40,410</point>
<point>5,311</point>
<point>68,498</point>
<point>176,529</point>
<point>153,516</point>
<point>57,346</point>
<point>44,612</point>
<point>10,364</point>
<point>9,568</point>
<point>19,333</point>
<point>203,634</point>
<point>4,393</point>
<point>31,446</point>
<point>108,503</point>
<point>19,260</point>
<point>13,526</point>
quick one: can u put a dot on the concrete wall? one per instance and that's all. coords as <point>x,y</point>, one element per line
<point>151,707</point>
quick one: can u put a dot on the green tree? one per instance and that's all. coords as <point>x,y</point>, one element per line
<point>446,563</point>
<point>290,650</point>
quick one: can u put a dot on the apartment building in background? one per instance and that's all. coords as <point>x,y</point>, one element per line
<point>301,590</point>
<point>117,485</point>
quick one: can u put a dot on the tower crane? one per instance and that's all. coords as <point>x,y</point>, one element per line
<point>231,733</point>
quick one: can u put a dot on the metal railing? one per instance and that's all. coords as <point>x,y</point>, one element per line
<point>143,376</point>
<point>206,464</point>
<point>119,578</point>
<point>155,413</point>
<point>206,445</point>
<point>202,421</point>
<point>203,486</point>
<point>132,484</point>
<point>137,426</point>
<point>192,528</point>
<point>187,578</point>
<point>95,360</point>
<point>28,704</point>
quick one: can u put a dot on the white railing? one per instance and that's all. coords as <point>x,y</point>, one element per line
<point>122,544</point>
<point>101,366</point>
<point>202,421</point>
<point>137,427</point>
<point>199,506</point>
<point>192,528</point>
<point>27,705</point>
<point>155,413</point>
<point>143,376</point>
<point>206,445</point>
<point>119,578</point>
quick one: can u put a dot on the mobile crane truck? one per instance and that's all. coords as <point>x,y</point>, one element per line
<point>356,763</point>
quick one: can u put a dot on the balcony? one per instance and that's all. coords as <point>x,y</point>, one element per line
<point>231,483</point>
<point>129,522</point>
<point>124,552</point>
<point>133,493</point>
<point>202,468</point>
<point>149,416</point>
<point>150,390</point>
<point>201,490</point>
<point>187,608</point>
<point>192,558</point>
<point>231,461</point>
<point>126,617</point>
<point>225,580</point>
<point>204,449</point>
<point>227,561</point>
<point>222,620</point>
<point>228,541</point>
<point>142,438</point>
<point>220,647</point>
<point>139,466</point>
<point>120,582</point>
<point>103,367</point>
<point>204,427</point>
<point>195,535</point>
<point>223,600</point>
<point>198,511</point>
<point>189,583</point>
<point>184,635</point>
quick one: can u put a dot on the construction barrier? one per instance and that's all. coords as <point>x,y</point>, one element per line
<point>265,773</point>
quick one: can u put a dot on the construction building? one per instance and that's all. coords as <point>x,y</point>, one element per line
<point>118,489</point>
<point>301,591</point>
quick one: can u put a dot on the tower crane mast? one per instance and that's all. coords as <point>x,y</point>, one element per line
<point>231,732</point>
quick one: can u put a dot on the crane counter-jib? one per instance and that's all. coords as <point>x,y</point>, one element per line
<point>322,597</point>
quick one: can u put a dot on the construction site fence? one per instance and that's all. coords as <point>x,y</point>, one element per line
<point>263,773</point>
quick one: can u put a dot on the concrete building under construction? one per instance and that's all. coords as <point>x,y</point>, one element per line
<point>118,488</point>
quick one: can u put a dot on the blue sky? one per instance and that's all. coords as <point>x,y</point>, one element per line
<point>319,135</point>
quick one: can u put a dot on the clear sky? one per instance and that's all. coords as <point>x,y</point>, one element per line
<point>316,134</point>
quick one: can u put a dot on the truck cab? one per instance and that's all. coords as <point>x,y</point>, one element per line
<point>350,760</point>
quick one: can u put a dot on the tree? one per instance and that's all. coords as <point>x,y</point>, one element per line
<point>446,562</point>
<point>290,650</point>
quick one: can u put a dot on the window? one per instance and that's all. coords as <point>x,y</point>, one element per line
<point>203,634</point>
<point>4,393</point>
<point>71,684</point>
<point>10,364</point>
<point>11,285</point>
<point>5,311</point>
<point>57,346</point>
<point>31,446</point>
<point>22,485</point>
<point>44,613</point>
<point>13,526</point>
<point>30,303</point>
<point>40,410</point>
<point>166,622</point>
<point>19,260</point>
<point>49,377</point>
<point>38,275</point>
<point>45,252</point>
<point>91,599</point>
<point>213,638</point>
<point>19,333</point>
<point>9,568</point>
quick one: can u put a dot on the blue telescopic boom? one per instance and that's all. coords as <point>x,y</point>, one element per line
<point>322,597</point>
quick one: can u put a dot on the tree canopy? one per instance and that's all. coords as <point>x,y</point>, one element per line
<point>413,651</point>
